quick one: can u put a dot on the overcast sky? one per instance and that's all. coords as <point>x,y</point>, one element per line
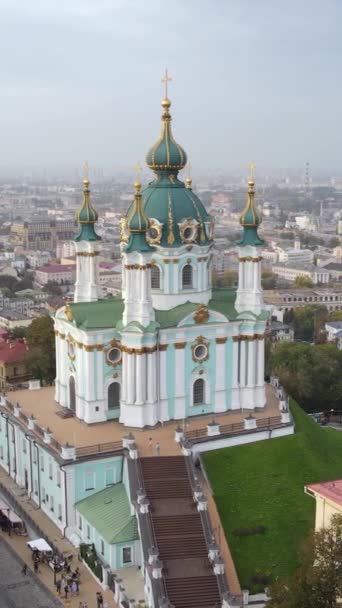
<point>252,79</point>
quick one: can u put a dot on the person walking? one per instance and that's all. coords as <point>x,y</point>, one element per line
<point>66,591</point>
<point>157,448</point>
<point>59,586</point>
<point>24,569</point>
<point>35,566</point>
<point>73,588</point>
<point>150,443</point>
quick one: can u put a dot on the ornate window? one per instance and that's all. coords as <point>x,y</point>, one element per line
<point>187,276</point>
<point>200,352</point>
<point>155,277</point>
<point>113,353</point>
<point>198,391</point>
<point>113,395</point>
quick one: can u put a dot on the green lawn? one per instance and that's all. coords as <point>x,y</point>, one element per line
<point>263,483</point>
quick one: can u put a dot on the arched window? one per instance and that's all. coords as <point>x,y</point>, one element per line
<point>113,395</point>
<point>72,394</point>
<point>187,276</point>
<point>198,391</point>
<point>155,277</point>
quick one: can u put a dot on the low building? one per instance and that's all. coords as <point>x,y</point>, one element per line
<point>290,272</point>
<point>335,270</point>
<point>296,256</point>
<point>280,332</point>
<point>334,332</point>
<point>9,319</point>
<point>328,496</point>
<point>281,301</point>
<point>13,370</point>
<point>62,274</point>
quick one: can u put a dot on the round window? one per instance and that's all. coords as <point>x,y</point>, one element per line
<point>188,233</point>
<point>153,233</point>
<point>114,355</point>
<point>200,351</point>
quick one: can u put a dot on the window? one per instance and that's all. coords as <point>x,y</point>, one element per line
<point>109,477</point>
<point>58,478</point>
<point>80,522</point>
<point>88,532</point>
<point>52,506</point>
<point>1,452</point>
<point>102,547</point>
<point>113,395</point>
<point>42,461</point>
<point>198,391</point>
<point>155,277</point>
<point>187,276</point>
<point>12,435</point>
<point>43,494</point>
<point>114,355</point>
<point>127,555</point>
<point>24,445</point>
<point>50,468</point>
<point>89,480</point>
<point>35,485</point>
<point>34,455</point>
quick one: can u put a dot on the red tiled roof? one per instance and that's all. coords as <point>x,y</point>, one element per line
<point>52,268</point>
<point>11,352</point>
<point>328,489</point>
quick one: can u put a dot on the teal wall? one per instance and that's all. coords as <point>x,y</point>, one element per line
<point>171,375</point>
<point>98,468</point>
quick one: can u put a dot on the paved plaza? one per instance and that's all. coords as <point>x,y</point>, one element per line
<point>18,590</point>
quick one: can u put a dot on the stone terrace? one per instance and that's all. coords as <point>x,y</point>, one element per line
<point>42,406</point>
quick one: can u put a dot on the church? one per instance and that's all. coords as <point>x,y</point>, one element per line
<point>171,346</point>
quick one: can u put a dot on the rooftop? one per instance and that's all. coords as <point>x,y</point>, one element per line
<point>13,351</point>
<point>328,489</point>
<point>334,324</point>
<point>52,268</point>
<point>109,512</point>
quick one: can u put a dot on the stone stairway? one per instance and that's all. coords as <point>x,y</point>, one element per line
<point>189,577</point>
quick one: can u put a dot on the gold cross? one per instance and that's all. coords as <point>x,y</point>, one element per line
<point>138,169</point>
<point>85,170</point>
<point>252,170</point>
<point>166,79</point>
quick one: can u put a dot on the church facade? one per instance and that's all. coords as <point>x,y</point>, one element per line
<point>172,346</point>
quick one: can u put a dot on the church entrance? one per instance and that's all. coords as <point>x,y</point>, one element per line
<point>72,394</point>
<point>114,400</point>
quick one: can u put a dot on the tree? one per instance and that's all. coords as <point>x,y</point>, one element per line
<point>335,315</point>
<point>52,288</point>
<point>303,282</point>
<point>334,242</point>
<point>268,279</point>
<point>230,278</point>
<point>308,321</point>
<point>6,280</point>
<point>309,374</point>
<point>41,359</point>
<point>318,581</point>
<point>18,333</point>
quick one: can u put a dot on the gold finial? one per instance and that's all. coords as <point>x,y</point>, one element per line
<point>251,172</point>
<point>137,183</point>
<point>188,181</point>
<point>165,80</point>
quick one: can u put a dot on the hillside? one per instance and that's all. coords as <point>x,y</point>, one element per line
<point>262,484</point>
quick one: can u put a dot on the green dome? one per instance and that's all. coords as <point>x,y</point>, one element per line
<point>137,224</point>
<point>167,200</point>
<point>166,154</point>
<point>250,219</point>
<point>86,217</point>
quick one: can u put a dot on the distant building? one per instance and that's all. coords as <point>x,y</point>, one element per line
<point>12,363</point>
<point>280,301</point>
<point>9,319</point>
<point>333,329</point>
<point>38,258</point>
<point>42,235</point>
<point>21,305</point>
<point>296,256</point>
<point>57,273</point>
<point>290,272</point>
<point>280,332</point>
<point>335,270</point>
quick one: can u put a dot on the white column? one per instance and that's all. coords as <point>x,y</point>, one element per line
<point>251,363</point>
<point>124,377</point>
<point>143,284</point>
<point>220,367</point>
<point>167,278</point>
<point>235,380</point>
<point>130,394</point>
<point>243,352</point>
<point>162,374</point>
<point>140,369</point>
<point>260,362</point>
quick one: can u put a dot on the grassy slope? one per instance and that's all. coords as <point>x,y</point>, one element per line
<point>262,483</point>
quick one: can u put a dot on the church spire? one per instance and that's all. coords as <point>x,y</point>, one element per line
<point>137,224</point>
<point>166,154</point>
<point>250,218</point>
<point>87,217</point>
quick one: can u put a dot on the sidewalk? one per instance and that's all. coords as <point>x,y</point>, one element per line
<point>88,587</point>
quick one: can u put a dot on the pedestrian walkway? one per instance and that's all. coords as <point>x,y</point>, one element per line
<point>88,587</point>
